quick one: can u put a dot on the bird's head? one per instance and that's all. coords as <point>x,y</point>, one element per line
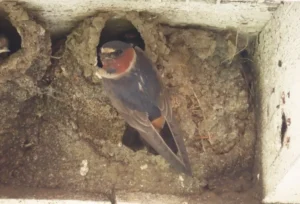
<point>4,44</point>
<point>117,58</point>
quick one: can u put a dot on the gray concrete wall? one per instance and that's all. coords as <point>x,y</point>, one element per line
<point>61,15</point>
<point>278,62</point>
<point>21,195</point>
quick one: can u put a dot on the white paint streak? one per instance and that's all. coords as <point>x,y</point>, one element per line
<point>84,169</point>
<point>143,167</point>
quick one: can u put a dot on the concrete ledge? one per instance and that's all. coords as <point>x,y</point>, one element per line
<point>244,16</point>
<point>23,195</point>
<point>277,57</point>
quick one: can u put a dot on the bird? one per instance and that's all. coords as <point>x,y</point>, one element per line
<point>4,47</point>
<point>131,137</point>
<point>135,88</point>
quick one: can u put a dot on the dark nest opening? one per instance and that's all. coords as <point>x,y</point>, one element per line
<point>120,29</point>
<point>28,42</point>
<point>10,32</point>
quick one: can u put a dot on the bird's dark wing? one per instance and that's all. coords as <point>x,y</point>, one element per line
<point>166,111</point>
<point>131,139</point>
<point>163,103</point>
<point>140,122</point>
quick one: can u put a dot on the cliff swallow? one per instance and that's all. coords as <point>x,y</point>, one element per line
<point>135,89</point>
<point>4,45</point>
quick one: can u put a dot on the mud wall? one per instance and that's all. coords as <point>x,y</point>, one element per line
<point>60,131</point>
<point>66,135</point>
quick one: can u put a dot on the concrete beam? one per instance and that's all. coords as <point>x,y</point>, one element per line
<point>248,17</point>
<point>278,62</point>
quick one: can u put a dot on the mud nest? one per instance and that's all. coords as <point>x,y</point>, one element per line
<point>29,43</point>
<point>20,69</point>
<point>69,136</point>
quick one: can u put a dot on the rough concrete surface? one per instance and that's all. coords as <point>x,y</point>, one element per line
<point>277,57</point>
<point>55,196</point>
<point>65,134</point>
<point>244,15</point>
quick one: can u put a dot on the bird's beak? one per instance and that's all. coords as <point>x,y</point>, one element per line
<point>3,50</point>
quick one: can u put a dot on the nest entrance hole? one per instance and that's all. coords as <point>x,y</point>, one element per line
<point>11,33</point>
<point>120,29</point>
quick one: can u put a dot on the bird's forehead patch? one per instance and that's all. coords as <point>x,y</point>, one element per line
<point>107,50</point>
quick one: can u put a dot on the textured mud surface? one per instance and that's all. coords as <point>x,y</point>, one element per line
<point>66,134</point>
<point>20,72</point>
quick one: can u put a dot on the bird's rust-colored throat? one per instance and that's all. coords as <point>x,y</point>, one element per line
<point>121,63</point>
